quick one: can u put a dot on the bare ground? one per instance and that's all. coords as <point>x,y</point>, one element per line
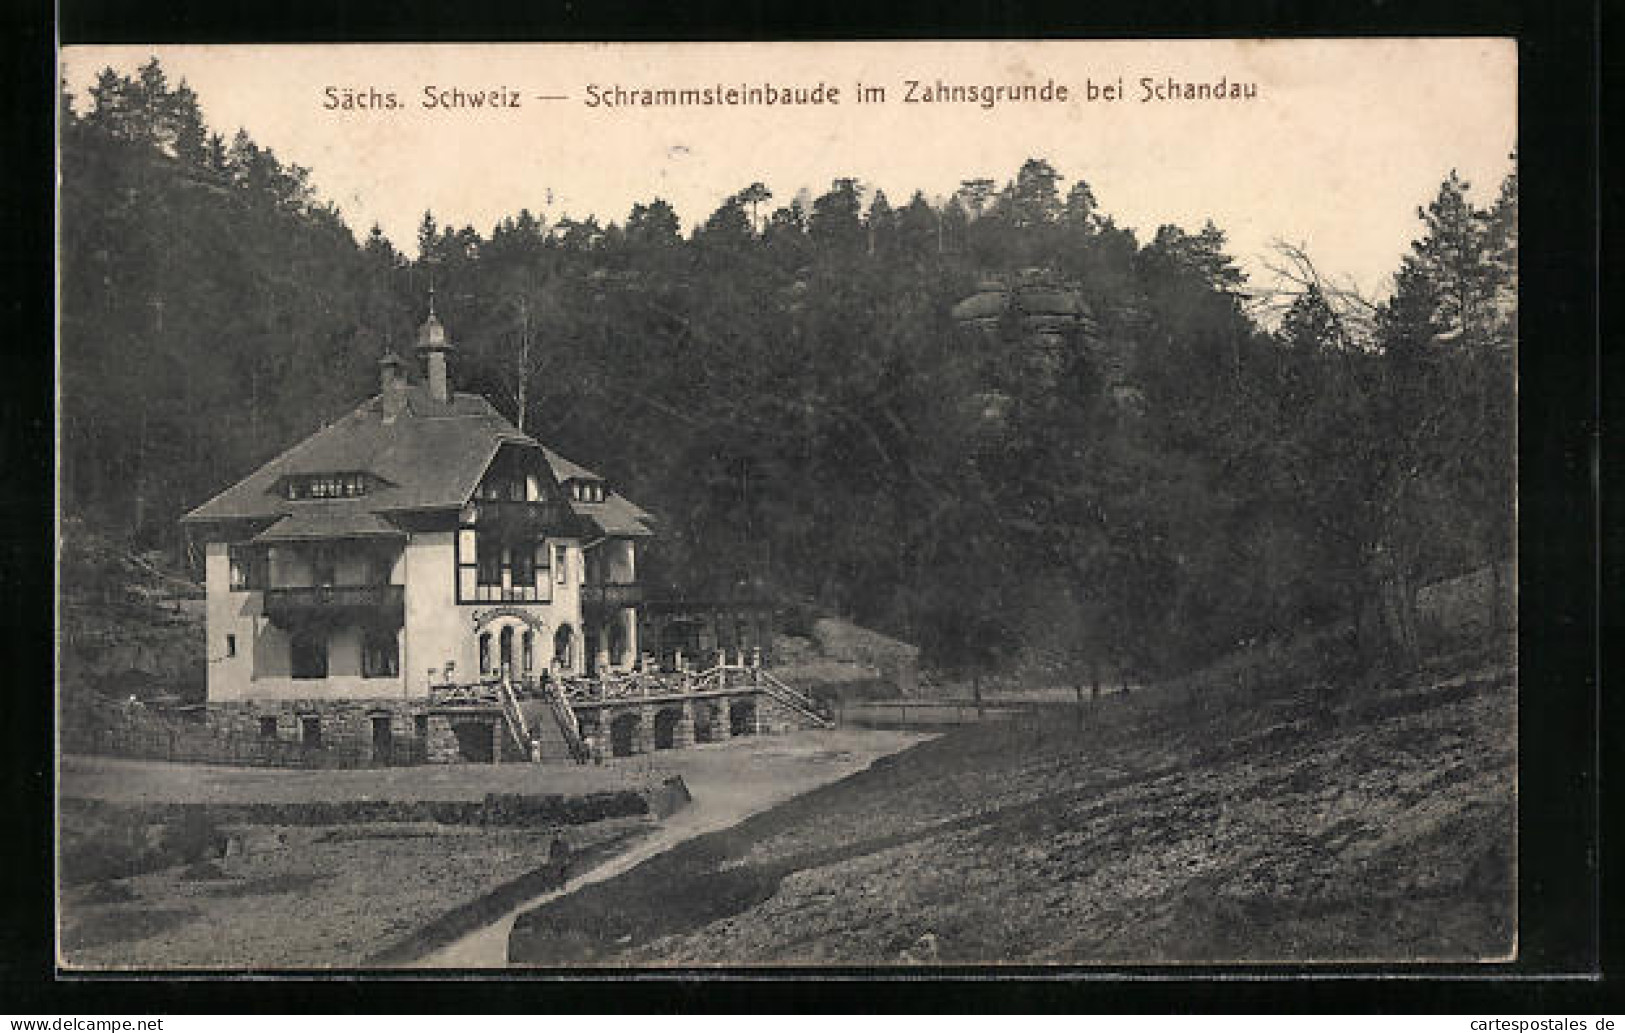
<point>387,893</point>
<point>1160,830</point>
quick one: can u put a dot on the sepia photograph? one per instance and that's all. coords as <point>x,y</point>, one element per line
<point>618,507</point>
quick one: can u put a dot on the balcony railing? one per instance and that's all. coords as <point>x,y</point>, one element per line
<point>610,595</point>
<point>511,516</point>
<point>384,602</point>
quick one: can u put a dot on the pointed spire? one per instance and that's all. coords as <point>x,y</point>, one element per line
<point>434,344</point>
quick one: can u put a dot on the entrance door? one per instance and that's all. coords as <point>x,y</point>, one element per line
<point>590,638</point>
<point>666,722</point>
<point>383,741</point>
<point>742,717</point>
<point>623,735</point>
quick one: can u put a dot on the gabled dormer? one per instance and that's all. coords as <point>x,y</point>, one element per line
<point>586,489</point>
<point>309,487</point>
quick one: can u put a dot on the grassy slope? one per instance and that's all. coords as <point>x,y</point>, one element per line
<point>317,897</point>
<point>1160,830</point>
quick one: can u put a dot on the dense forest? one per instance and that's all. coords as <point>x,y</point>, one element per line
<point>1181,463</point>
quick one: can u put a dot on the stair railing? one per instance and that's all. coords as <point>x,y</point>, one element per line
<point>564,714</point>
<point>794,699</point>
<point>514,717</point>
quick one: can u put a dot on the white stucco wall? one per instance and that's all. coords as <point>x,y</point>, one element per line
<point>437,629</point>
<point>233,614</point>
<point>261,668</point>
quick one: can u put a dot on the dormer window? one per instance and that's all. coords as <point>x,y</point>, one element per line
<point>326,486</point>
<point>587,491</point>
<point>502,489</point>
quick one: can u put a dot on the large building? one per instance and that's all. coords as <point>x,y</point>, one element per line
<point>420,542</point>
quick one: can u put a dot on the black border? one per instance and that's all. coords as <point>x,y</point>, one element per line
<point>1559,421</point>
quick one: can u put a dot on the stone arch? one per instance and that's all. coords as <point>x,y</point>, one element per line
<point>742,717</point>
<point>501,633</point>
<point>505,648</point>
<point>707,721</point>
<point>666,721</point>
<point>564,647</point>
<point>623,733</point>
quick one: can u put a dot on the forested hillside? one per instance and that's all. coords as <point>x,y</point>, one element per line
<point>1191,463</point>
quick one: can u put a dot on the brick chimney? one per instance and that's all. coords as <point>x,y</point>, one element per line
<point>392,385</point>
<point>433,344</point>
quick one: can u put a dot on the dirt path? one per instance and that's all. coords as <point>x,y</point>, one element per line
<point>729,782</point>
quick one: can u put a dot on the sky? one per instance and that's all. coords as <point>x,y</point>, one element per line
<point>1341,142</point>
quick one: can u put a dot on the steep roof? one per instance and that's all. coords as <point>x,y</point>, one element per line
<point>308,521</point>
<point>430,457</point>
<point>616,517</point>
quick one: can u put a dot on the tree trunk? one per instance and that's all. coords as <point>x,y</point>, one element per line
<point>1498,621</point>
<point>1390,628</point>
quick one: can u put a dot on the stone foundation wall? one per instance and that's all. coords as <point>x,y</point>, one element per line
<point>345,726</point>
<point>448,737</point>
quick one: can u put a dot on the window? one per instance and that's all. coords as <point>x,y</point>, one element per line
<point>500,564</point>
<point>527,651</point>
<point>561,563</point>
<point>505,644</point>
<point>499,488</point>
<point>309,653</point>
<point>310,731</point>
<point>420,725</point>
<point>564,647</point>
<point>324,566</point>
<point>485,653</point>
<point>524,566</point>
<point>327,486</point>
<point>376,566</point>
<point>248,567</point>
<point>489,559</point>
<point>380,654</point>
<point>267,728</point>
<point>231,645</point>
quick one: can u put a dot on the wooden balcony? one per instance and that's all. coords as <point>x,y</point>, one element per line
<point>382,603</point>
<point>511,518</point>
<point>602,596</point>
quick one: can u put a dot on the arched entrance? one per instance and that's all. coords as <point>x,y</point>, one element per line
<point>666,721</point>
<point>564,646</point>
<point>623,734</point>
<point>505,649</point>
<point>706,721</point>
<point>742,717</point>
<point>506,639</point>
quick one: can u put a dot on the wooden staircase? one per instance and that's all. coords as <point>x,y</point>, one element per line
<point>803,704</point>
<point>564,718</point>
<point>527,721</point>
